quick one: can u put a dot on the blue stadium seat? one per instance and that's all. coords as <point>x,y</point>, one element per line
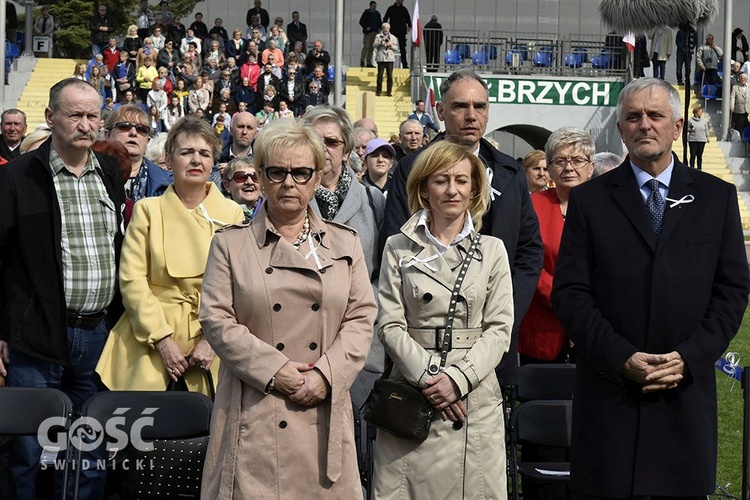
<point>543,57</point>
<point>709,92</point>
<point>480,57</point>
<point>576,57</point>
<point>602,61</point>
<point>463,50</point>
<point>452,57</point>
<point>491,50</point>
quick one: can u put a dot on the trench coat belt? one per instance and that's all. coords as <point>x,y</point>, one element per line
<point>430,338</point>
<point>189,304</point>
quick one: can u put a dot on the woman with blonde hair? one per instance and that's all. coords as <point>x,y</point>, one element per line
<point>448,195</point>
<point>79,71</point>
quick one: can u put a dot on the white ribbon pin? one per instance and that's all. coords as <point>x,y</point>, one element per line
<point>688,198</point>
<point>493,191</point>
<point>410,261</point>
<point>313,251</point>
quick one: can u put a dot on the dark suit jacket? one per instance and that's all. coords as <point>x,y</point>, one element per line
<point>618,290</point>
<point>295,34</point>
<point>261,13</point>
<point>511,218</point>
<point>275,82</point>
<point>32,301</point>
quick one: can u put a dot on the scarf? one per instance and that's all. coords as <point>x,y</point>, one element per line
<point>139,183</point>
<point>329,202</point>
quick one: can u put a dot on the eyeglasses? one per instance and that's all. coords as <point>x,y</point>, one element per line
<point>127,126</point>
<point>576,163</point>
<point>331,142</point>
<point>300,175</point>
<point>240,177</point>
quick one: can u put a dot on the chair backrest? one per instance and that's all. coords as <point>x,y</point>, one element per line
<point>602,61</point>
<point>480,57</point>
<point>30,407</point>
<point>464,50</point>
<point>452,57</point>
<point>543,57</point>
<point>491,50</point>
<point>546,381</point>
<point>545,423</point>
<point>176,415</point>
<point>708,91</point>
<point>746,134</point>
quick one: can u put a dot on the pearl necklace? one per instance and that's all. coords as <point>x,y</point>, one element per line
<point>303,234</point>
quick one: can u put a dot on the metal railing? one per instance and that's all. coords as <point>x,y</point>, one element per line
<point>525,53</point>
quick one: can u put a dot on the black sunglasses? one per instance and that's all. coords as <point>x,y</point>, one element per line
<point>300,175</point>
<point>139,127</point>
<point>240,177</point>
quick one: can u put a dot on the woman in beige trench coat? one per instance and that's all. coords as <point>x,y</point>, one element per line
<point>464,453</point>
<point>288,307</point>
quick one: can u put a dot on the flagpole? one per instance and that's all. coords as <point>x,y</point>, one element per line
<point>416,41</point>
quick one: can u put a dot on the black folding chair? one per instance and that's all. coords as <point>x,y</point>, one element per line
<point>538,382</point>
<point>543,423</point>
<point>25,409</point>
<point>173,418</point>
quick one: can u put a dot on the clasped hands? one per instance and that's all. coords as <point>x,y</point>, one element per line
<point>444,395</point>
<point>655,372</point>
<point>301,383</point>
<point>176,362</point>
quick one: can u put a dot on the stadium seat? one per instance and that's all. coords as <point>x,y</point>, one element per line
<point>491,50</point>
<point>543,57</point>
<point>452,57</point>
<point>602,61</point>
<point>464,51</point>
<point>576,57</point>
<point>480,57</point>
<point>709,92</point>
<point>746,139</point>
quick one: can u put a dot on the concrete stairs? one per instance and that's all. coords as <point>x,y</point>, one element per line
<point>714,160</point>
<point>388,112</point>
<point>35,96</point>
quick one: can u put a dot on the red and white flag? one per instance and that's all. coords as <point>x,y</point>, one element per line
<point>629,40</point>
<point>416,27</point>
<point>429,103</point>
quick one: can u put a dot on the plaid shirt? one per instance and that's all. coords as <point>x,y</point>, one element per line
<point>89,224</point>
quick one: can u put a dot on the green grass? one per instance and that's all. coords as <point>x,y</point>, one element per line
<point>730,416</point>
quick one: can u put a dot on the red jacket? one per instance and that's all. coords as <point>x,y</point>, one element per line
<point>540,335</point>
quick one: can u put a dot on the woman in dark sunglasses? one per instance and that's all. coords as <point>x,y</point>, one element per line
<point>240,180</point>
<point>158,339</point>
<point>288,307</point>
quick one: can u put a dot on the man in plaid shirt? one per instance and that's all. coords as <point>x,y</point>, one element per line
<point>60,237</point>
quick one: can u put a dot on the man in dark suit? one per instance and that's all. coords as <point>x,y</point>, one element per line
<point>60,239</point>
<point>651,284</point>
<point>464,108</point>
<point>296,31</point>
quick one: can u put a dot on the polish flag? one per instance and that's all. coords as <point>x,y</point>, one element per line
<point>416,27</point>
<point>429,103</point>
<point>629,40</point>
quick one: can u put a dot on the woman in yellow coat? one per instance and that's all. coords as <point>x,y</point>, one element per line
<point>161,272</point>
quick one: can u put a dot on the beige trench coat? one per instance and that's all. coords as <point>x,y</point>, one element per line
<point>264,304</point>
<point>414,293</point>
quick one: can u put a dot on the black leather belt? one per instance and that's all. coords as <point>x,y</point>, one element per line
<point>87,321</point>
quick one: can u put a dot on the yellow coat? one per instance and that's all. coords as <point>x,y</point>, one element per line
<point>161,272</point>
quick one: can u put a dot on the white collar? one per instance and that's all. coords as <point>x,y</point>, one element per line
<point>442,248</point>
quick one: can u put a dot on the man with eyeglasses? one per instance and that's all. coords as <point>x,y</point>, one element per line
<point>128,125</point>
<point>60,239</point>
<point>464,108</point>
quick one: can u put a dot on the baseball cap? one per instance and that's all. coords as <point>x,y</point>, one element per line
<point>378,143</point>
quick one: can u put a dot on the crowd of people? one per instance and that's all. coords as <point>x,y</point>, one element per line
<point>298,260</point>
<point>172,70</point>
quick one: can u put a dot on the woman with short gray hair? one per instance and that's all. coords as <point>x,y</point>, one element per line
<point>570,152</point>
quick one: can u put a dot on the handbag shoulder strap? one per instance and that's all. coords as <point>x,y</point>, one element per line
<point>448,333</point>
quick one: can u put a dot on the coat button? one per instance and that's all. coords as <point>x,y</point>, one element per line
<point>269,270</point>
<point>315,306</point>
<point>282,424</point>
<point>277,307</point>
<point>322,271</point>
<point>313,346</point>
<point>280,346</point>
<point>427,297</point>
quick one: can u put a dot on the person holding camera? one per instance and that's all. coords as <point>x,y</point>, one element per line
<point>385,47</point>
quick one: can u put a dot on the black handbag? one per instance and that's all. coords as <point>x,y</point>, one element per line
<point>400,408</point>
<point>173,469</point>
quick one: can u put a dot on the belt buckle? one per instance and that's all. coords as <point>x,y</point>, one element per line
<point>439,334</point>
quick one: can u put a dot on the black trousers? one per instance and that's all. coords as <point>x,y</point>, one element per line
<point>433,57</point>
<point>402,47</point>
<point>696,152</point>
<point>388,68</point>
<point>739,121</point>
